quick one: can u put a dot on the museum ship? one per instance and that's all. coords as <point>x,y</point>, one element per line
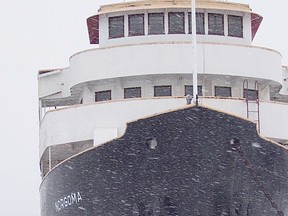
<point>119,134</point>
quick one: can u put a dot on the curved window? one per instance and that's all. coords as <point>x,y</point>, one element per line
<point>200,23</point>
<point>156,23</point>
<point>116,27</point>
<point>215,24</point>
<point>136,24</point>
<point>176,22</point>
<point>235,26</point>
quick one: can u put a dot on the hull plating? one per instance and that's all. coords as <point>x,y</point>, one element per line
<point>194,161</point>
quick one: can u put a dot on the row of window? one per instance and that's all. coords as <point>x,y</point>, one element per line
<point>161,91</point>
<point>176,24</point>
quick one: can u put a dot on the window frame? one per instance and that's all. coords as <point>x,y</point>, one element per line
<point>130,33</point>
<point>187,91</point>
<point>251,94</point>
<point>210,32</point>
<point>229,28</point>
<point>149,23</point>
<point>130,88</point>
<point>197,23</point>
<point>222,87</point>
<point>122,34</point>
<point>170,26</point>
<point>99,92</point>
<point>163,86</point>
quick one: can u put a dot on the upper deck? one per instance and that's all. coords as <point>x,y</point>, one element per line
<point>154,21</point>
<point>149,4</point>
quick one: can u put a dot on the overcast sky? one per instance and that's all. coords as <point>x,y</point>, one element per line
<point>42,34</point>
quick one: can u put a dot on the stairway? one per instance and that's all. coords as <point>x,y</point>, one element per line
<point>252,102</point>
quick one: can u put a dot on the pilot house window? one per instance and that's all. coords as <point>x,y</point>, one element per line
<point>116,27</point>
<point>103,95</point>
<point>215,24</point>
<point>235,26</point>
<point>176,22</point>
<point>156,23</point>
<point>162,91</point>
<point>136,24</point>
<point>200,24</point>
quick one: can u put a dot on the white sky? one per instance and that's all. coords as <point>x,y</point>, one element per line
<point>42,34</point>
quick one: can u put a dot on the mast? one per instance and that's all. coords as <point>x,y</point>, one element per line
<point>194,52</point>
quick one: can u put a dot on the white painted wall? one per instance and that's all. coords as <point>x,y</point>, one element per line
<point>275,122</point>
<point>164,58</point>
<point>50,83</point>
<point>80,122</point>
<point>284,89</point>
<point>102,135</point>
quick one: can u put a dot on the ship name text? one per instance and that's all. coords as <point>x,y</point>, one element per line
<point>68,200</point>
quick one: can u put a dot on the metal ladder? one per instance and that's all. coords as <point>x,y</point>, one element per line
<point>252,102</point>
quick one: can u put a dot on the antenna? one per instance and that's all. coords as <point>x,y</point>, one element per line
<point>194,52</point>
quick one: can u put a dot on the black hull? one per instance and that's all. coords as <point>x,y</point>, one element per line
<point>205,163</point>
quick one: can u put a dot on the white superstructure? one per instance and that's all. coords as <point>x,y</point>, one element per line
<point>140,71</point>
